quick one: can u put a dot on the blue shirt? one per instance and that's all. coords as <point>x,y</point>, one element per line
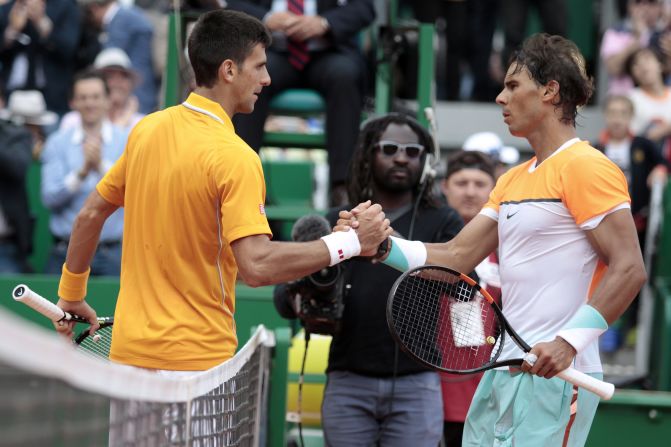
<point>63,194</point>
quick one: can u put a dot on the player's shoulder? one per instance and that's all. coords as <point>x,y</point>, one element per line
<point>585,155</point>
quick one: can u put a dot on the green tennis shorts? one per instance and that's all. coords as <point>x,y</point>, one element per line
<point>523,410</point>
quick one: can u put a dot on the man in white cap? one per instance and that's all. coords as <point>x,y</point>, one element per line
<point>115,66</point>
<point>491,144</point>
<point>28,108</point>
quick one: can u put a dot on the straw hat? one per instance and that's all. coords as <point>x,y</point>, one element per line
<point>28,107</point>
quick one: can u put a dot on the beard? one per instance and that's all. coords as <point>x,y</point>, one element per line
<point>388,182</point>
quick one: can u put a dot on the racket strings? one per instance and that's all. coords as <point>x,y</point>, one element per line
<point>98,345</point>
<point>445,322</point>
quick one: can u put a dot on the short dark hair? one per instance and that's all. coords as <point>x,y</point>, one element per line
<point>556,58</point>
<point>89,74</point>
<point>360,180</point>
<point>470,160</point>
<point>220,35</point>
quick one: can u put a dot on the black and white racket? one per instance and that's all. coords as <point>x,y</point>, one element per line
<point>445,320</point>
<point>98,344</point>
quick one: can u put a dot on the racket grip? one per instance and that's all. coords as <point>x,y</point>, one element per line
<point>23,294</point>
<point>602,389</point>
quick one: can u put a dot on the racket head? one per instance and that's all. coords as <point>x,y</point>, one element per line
<point>445,320</point>
<point>97,345</point>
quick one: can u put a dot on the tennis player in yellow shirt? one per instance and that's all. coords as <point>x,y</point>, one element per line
<point>193,194</point>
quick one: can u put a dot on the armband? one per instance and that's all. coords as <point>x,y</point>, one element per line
<point>405,255</point>
<point>585,327</point>
<point>72,286</point>
<point>342,245</point>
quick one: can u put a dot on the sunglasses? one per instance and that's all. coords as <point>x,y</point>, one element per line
<point>391,148</point>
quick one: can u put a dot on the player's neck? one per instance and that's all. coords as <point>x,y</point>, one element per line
<point>218,96</point>
<point>548,138</point>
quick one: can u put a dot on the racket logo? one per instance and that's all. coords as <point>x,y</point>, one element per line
<point>19,291</point>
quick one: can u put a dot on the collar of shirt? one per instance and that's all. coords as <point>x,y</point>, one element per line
<point>111,13</point>
<point>201,104</point>
<point>106,132</point>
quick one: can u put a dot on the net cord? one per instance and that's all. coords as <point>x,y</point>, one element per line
<point>31,348</point>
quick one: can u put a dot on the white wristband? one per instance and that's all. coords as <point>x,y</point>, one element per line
<point>405,255</point>
<point>342,245</point>
<point>583,328</point>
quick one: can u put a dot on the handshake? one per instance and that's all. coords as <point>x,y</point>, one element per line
<point>358,232</point>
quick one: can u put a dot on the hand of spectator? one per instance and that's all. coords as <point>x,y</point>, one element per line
<point>36,10</point>
<point>18,16</point>
<point>280,21</point>
<point>92,153</point>
<point>665,44</point>
<point>553,357</point>
<point>307,27</point>
<point>38,15</point>
<point>657,131</point>
<point>372,229</point>
<point>638,22</point>
<point>659,174</point>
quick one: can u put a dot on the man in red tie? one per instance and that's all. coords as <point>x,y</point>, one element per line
<point>315,45</point>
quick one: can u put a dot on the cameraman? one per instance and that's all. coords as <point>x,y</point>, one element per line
<point>375,394</point>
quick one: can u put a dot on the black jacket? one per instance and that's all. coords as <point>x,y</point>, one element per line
<point>643,157</point>
<point>364,345</point>
<point>346,19</point>
<point>15,158</point>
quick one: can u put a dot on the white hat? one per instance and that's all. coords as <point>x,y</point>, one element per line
<point>28,107</point>
<point>491,144</point>
<point>112,58</point>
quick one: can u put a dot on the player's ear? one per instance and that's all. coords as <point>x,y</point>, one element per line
<point>551,92</point>
<point>227,70</point>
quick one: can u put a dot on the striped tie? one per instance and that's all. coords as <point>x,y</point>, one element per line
<point>298,51</point>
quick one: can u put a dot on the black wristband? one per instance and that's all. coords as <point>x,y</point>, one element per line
<point>383,248</point>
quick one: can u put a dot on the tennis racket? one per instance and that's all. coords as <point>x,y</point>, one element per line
<point>97,345</point>
<point>446,321</point>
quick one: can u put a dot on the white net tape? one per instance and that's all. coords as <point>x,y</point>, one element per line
<point>55,395</point>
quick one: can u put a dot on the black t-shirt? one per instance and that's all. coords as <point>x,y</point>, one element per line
<point>364,345</point>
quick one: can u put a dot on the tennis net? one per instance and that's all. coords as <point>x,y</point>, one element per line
<point>54,395</point>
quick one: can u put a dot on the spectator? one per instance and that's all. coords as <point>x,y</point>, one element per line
<point>115,67</point>
<point>127,28</point>
<point>375,394</point>
<point>38,48</point>
<point>504,157</point>
<point>73,162</point>
<point>315,48</point>
<point>469,179</point>
<point>637,156</point>
<point>28,109</point>
<point>16,147</point>
<point>621,41</point>
<point>515,13</point>
<point>456,14</point>
<point>651,99</point>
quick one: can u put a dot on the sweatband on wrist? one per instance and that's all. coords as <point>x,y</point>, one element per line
<point>342,245</point>
<point>72,286</point>
<point>584,328</point>
<point>405,255</point>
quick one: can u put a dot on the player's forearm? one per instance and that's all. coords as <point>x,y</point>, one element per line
<point>84,240</point>
<point>619,286</point>
<point>280,262</point>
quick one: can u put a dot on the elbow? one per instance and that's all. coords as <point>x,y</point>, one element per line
<point>255,276</point>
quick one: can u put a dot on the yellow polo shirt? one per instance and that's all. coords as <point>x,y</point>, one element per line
<point>190,186</point>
